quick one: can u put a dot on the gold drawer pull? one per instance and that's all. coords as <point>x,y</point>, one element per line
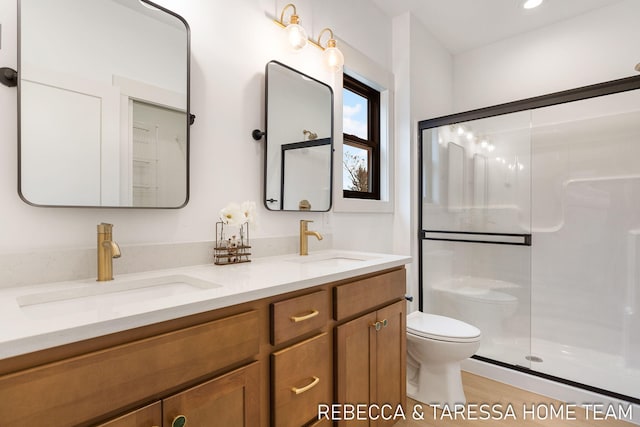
<point>311,385</point>
<point>297,319</point>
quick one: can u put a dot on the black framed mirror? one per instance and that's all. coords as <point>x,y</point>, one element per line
<point>299,141</point>
<point>103,104</point>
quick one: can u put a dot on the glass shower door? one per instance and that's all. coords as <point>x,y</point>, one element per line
<point>586,258</point>
<point>476,229</point>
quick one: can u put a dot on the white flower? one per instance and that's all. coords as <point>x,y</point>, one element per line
<point>249,211</point>
<point>232,214</point>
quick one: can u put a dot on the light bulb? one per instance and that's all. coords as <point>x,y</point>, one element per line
<point>333,59</point>
<point>297,36</point>
<point>530,4</point>
<point>491,147</point>
<point>460,130</point>
<point>484,143</point>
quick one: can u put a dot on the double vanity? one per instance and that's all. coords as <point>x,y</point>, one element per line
<point>254,344</point>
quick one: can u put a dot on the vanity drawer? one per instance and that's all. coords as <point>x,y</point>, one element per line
<point>302,377</point>
<point>76,390</point>
<point>363,295</point>
<point>297,316</point>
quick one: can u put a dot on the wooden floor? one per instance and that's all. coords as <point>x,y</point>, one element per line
<point>480,390</point>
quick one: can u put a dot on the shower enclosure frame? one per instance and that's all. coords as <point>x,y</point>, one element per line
<point>577,94</point>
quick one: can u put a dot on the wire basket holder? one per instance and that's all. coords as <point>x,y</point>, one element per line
<point>233,249</point>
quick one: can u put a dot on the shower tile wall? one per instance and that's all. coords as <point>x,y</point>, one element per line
<point>586,199</point>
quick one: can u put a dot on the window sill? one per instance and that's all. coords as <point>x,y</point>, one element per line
<point>362,205</point>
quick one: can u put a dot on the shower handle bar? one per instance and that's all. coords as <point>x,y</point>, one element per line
<point>516,239</point>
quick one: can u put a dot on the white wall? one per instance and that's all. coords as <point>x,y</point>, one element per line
<point>227,88</point>
<point>423,78</point>
<point>595,47</point>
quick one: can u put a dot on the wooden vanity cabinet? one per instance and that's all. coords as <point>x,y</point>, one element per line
<point>371,349</point>
<point>268,362</point>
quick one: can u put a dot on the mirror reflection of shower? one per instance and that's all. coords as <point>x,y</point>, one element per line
<point>158,152</point>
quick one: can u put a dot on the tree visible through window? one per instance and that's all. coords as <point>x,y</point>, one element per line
<point>361,149</point>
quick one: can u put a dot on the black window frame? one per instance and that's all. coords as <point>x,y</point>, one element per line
<point>372,144</point>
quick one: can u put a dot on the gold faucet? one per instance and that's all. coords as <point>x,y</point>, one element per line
<point>304,233</point>
<point>107,250</point>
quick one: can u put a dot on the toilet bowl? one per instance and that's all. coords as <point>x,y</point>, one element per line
<point>436,345</point>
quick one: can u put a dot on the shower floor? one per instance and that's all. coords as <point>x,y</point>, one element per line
<point>597,369</point>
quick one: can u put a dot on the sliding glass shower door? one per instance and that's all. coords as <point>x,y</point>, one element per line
<point>476,217</point>
<point>530,230</point>
<point>586,252</point>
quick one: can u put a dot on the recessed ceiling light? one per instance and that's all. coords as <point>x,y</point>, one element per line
<point>530,4</point>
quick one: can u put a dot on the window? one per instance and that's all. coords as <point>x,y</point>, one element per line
<point>361,149</point>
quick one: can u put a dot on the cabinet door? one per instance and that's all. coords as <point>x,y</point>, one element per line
<point>390,349</point>
<point>232,399</point>
<point>149,416</point>
<point>355,362</point>
<point>370,363</point>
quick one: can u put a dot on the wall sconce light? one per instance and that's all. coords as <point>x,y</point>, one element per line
<point>332,57</point>
<point>296,35</point>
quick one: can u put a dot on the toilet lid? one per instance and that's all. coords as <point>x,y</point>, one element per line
<point>441,328</point>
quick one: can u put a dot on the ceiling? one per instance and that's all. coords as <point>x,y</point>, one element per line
<point>463,25</point>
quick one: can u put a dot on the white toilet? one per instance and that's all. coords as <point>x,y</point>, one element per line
<point>436,345</point>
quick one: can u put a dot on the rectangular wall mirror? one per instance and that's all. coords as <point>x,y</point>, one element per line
<point>103,104</point>
<point>299,141</point>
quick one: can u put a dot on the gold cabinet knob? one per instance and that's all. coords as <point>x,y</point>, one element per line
<point>385,322</point>
<point>179,421</point>
<point>377,325</point>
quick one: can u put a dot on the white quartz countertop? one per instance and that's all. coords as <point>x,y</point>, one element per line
<point>43,316</point>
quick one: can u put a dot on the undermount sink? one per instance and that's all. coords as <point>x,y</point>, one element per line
<point>105,295</point>
<point>330,260</point>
